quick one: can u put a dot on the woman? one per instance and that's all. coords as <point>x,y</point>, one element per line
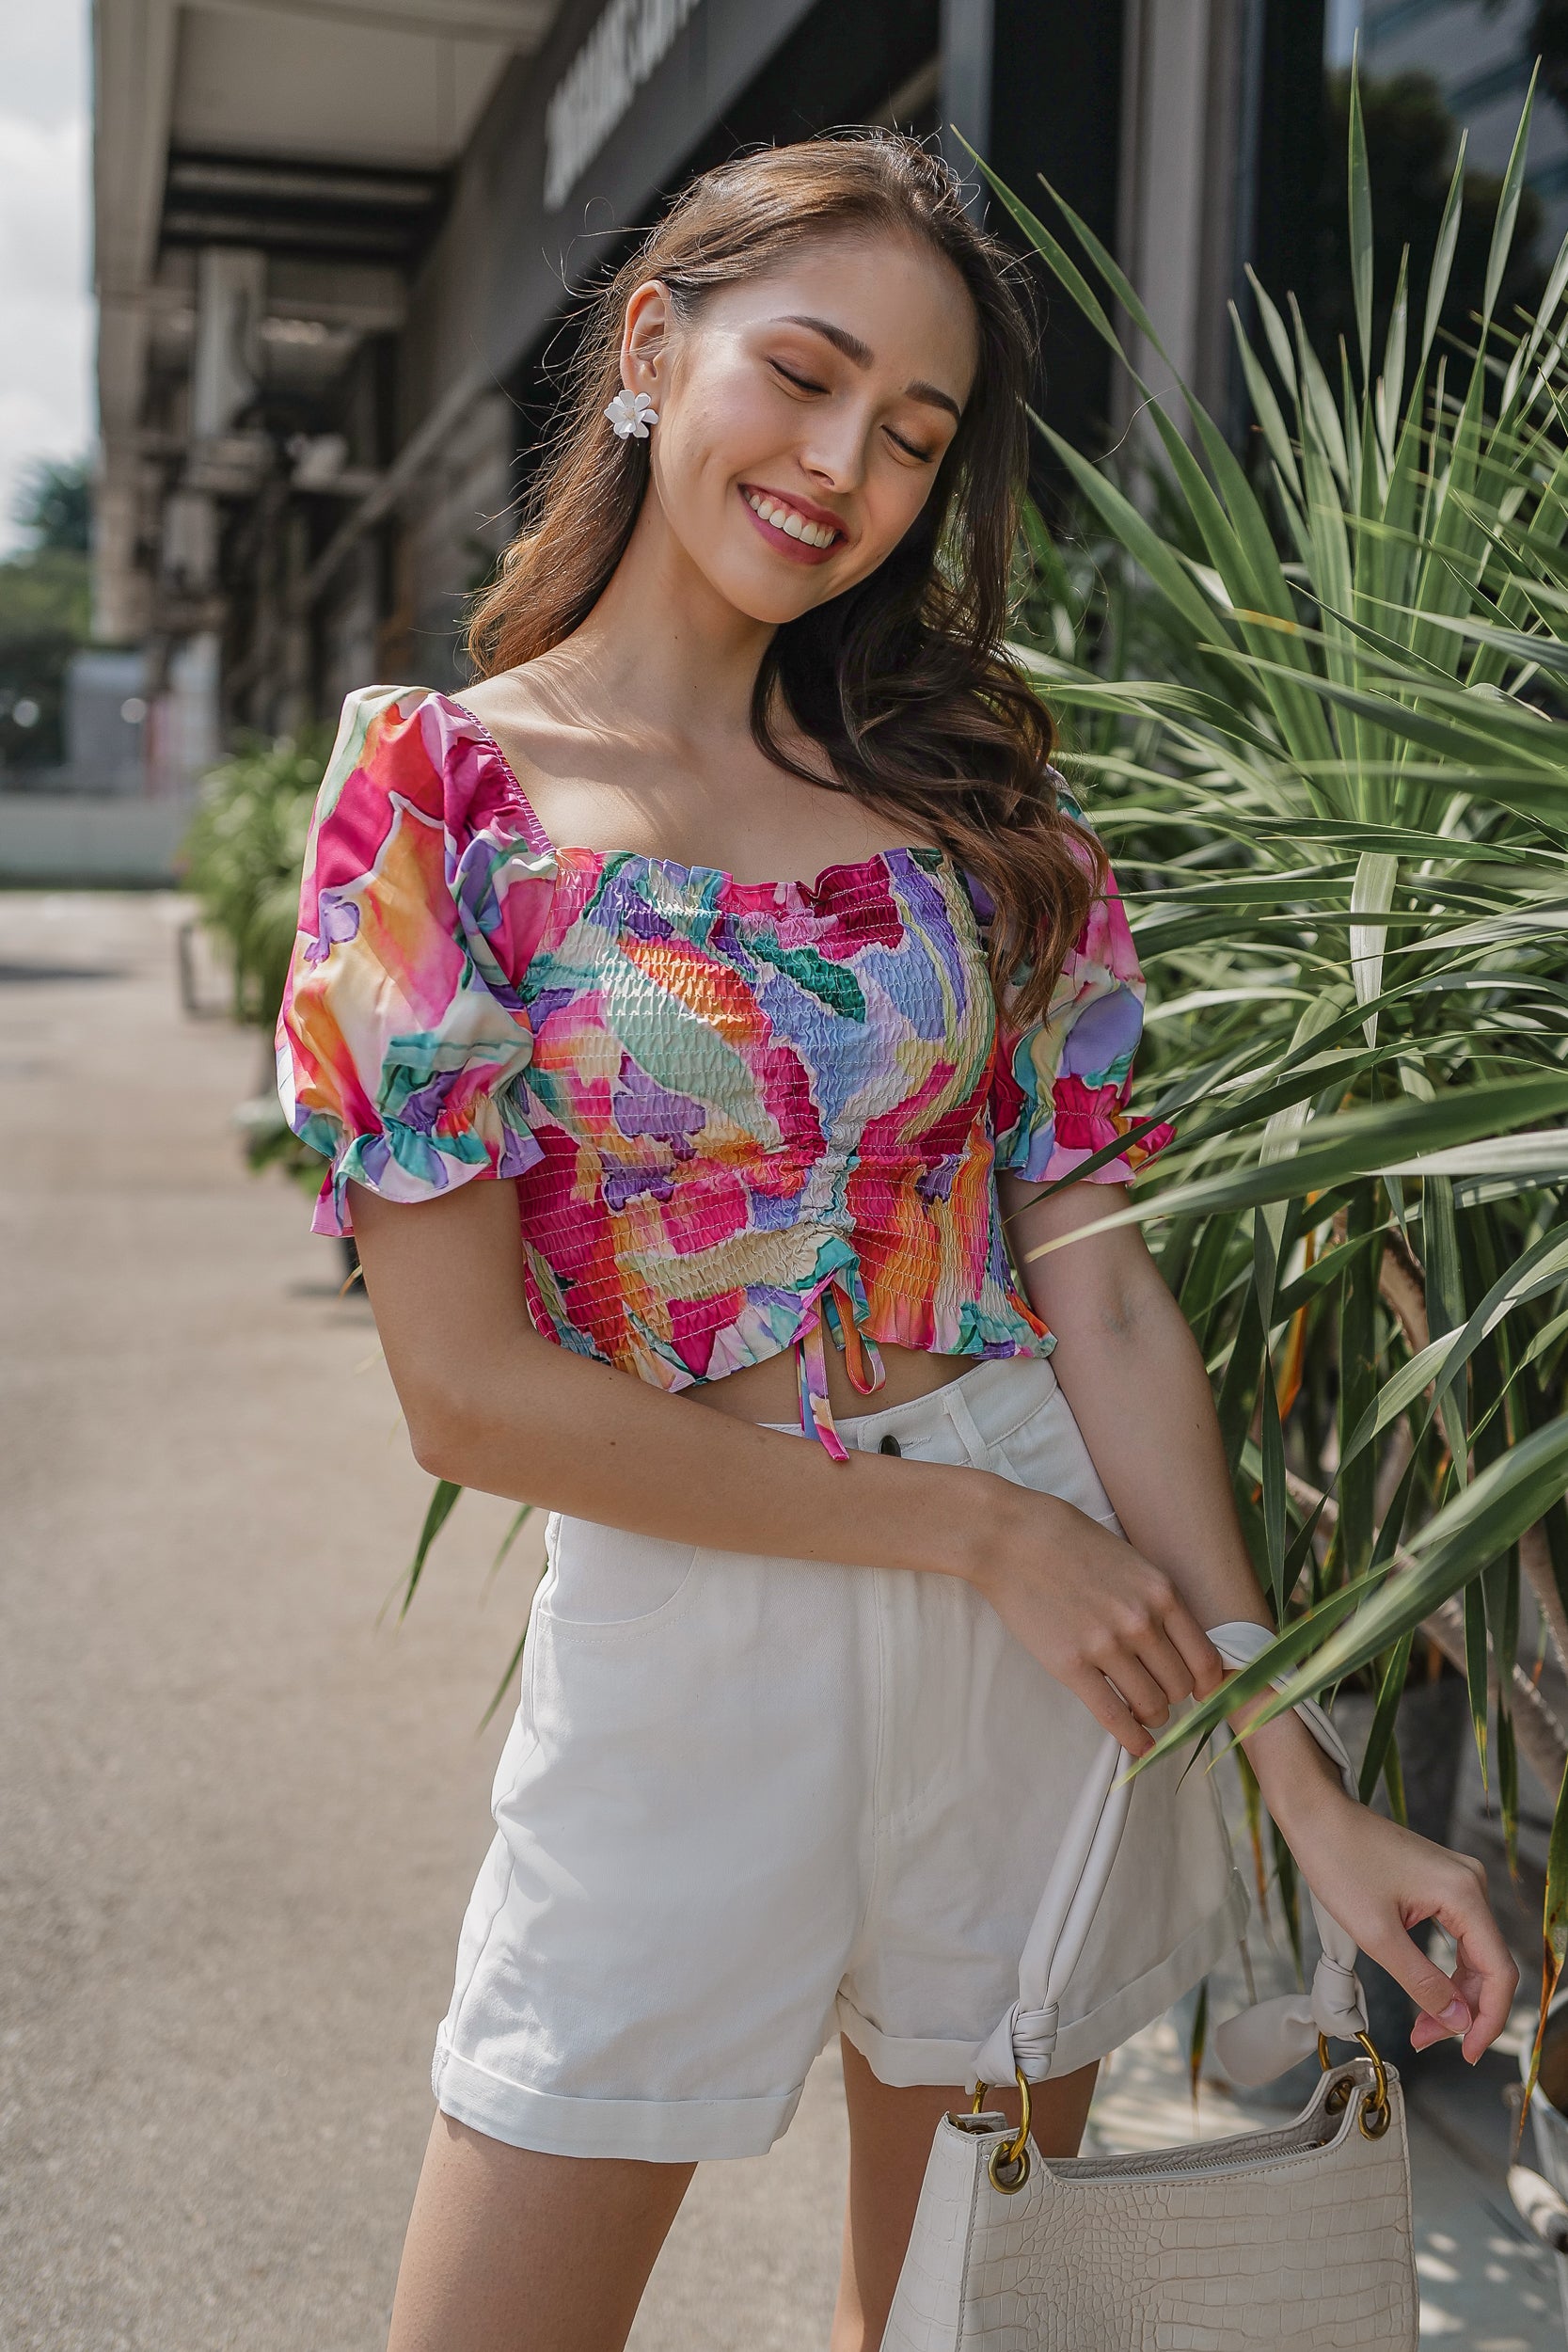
<point>815,1670</point>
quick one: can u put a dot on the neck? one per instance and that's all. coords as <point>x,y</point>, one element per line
<point>666,651</point>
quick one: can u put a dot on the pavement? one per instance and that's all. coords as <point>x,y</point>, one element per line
<point>240,1809</point>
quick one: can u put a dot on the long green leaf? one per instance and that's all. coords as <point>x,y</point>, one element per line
<point>1508,204</point>
<point>1453,1546</point>
<point>1354,1143</point>
<point>1442,259</point>
<point>1390,1690</point>
<point>1538,1270</point>
<point>1360,228</point>
<point>442,1502</point>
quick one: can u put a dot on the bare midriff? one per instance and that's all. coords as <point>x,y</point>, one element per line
<point>769,1392</point>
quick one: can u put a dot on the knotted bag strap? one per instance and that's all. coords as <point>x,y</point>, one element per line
<point>1256,2045</point>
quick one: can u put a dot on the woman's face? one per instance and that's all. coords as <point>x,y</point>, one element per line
<point>803,416</point>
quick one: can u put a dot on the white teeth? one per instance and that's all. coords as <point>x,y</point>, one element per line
<point>785,518</point>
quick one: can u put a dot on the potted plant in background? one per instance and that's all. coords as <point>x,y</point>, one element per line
<point>243,856</point>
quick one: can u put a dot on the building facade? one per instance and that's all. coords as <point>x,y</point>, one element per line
<point>338,249</point>
<point>1481,53</point>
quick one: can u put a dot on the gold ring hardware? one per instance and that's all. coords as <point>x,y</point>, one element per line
<point>1009,2164</point>
<point>1376,2115</point>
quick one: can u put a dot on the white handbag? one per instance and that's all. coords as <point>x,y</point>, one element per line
<point>1300,2238</point>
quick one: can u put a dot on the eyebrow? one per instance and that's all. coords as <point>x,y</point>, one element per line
<point>862,355</point>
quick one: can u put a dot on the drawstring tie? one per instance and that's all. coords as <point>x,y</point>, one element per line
<point>861,1360</point>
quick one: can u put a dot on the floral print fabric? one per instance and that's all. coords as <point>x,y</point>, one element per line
<point>731,1108</point>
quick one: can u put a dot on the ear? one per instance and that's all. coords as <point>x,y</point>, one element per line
<point>644,339</point>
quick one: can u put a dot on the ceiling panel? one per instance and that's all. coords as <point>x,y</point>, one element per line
<point>291,85</point>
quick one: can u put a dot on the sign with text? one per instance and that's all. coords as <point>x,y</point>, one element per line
<point>627,44</point>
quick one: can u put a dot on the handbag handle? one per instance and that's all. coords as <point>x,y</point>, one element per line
<point>1254,2046</point>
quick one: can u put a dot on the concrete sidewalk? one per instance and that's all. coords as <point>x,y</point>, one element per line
<point>239,1821</point>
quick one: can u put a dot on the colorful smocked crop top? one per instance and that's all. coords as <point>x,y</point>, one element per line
<point>733,1109</point>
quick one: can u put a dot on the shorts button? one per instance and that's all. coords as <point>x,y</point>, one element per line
<point>890,1445</point>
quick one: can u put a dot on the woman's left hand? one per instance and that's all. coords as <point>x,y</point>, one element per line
<point>1379,1881</point>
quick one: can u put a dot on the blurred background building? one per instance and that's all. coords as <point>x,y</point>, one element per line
<point>338,248</point>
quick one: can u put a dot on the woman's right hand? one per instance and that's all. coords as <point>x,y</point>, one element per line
<point>1109,1625</point>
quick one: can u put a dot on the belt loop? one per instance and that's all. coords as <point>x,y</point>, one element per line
<point>964,1422</point>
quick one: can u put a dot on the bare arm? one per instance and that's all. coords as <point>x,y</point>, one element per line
<point>490,1404</point>
<point>493,1404</point>
<point>1135,1376</point>
<point>1137,1384</point>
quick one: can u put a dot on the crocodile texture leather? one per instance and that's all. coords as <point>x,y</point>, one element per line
<point>1299,2238</point>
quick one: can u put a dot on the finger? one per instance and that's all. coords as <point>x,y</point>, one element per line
<point>1448,2025</point>
<point>1436,1995</point>
<point>1160,1658</point>
<point>1105,1704</point>
<point>1468,1986</point>
<point>1454,2020</point>
<point>1485,1978</point>
<point>1143,1695</point>
<point>1486,1962</point>
<point>1464,1911</point>
<point>1473,1991</point>
<point>1198,1654</point>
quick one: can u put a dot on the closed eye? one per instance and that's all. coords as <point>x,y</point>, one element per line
<point>801,383</point>
<point>804,383</point>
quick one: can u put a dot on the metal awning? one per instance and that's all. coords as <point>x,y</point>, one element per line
<point>317,132</point>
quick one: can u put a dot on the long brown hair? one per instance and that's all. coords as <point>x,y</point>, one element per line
<point>902,680</point>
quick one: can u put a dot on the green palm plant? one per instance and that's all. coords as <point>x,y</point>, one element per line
<point>243,854</point>
<point>1344,794</point>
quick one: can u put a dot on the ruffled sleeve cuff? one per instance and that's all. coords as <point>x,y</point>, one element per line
<point>1086,1120</point>
<point>400,1162</point>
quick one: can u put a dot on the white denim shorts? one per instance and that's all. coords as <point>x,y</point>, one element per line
<point>748,1801</point>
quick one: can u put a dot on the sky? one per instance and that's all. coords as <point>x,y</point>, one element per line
<point>46,408</point>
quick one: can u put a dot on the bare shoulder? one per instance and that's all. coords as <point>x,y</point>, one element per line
<point>550,751</point>
<point>509,693</point>
<point>509,706</point>
<point>583,771</point>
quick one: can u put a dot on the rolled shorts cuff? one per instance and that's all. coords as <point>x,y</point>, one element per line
<point>657,2131</point>
<point>903,2064</point>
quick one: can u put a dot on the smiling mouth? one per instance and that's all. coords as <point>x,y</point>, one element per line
<point>779,518</point>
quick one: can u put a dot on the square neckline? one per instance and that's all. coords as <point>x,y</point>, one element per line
<point>904,852</point>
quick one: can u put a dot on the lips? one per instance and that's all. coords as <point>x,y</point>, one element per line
<point>794,526</point>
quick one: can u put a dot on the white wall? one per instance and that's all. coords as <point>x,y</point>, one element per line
<point>83,839</point>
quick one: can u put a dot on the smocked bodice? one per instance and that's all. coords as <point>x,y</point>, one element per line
<point>730,1109</point>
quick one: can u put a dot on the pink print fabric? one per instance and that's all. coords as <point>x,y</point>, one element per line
<point>735,1111</point>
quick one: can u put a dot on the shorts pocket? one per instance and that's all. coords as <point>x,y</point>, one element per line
<point>1048,1453</point>
<point>605,1580</point>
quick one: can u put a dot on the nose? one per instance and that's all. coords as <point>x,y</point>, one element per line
<point>835,456</point>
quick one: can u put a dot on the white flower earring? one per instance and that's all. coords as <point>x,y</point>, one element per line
<point>631,413</point>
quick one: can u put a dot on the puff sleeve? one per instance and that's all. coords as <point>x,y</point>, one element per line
<point>403,1039</point>
<point>1060,1086</point>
